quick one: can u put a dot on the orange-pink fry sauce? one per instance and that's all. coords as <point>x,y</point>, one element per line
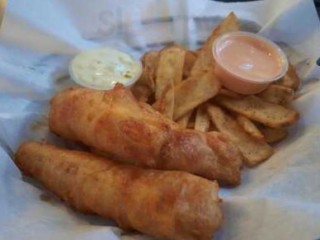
<point>247,63</point>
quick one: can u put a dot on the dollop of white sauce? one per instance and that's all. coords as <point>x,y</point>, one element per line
<point>103,68</point>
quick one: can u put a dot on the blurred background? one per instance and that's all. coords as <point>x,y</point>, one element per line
<point>316,2</point>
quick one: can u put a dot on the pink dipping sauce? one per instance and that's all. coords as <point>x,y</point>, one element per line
<point>247,63</point>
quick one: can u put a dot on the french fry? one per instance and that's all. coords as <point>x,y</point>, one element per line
<point>277,94</point>
<point>291,79</point>
<point>205,58</point>
<point>256,109</point>
<point>165,104</point>
<point>249,127</point>
<point>145,86</point>
<point>189,60</point>
<point>229,93</point>
<point>202,120</point>
<point>183,121</point>
<point>194,91</point>
<point>170,69</point>
<point>253,151</point>
<point>273,135</point>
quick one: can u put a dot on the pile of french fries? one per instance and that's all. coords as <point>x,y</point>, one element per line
<point>181,84</point>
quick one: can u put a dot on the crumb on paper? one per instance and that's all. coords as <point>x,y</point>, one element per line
<point>38,125</point>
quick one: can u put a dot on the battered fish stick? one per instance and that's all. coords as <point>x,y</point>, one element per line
<point>115,122</point>
<point>166,204</point>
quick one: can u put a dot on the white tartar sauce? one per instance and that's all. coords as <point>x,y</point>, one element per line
<point>104,67</point>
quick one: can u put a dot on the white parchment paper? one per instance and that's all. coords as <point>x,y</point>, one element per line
<point>280,199</point>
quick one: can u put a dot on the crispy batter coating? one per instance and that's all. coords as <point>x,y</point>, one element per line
<point>115,122</point>
<point>166,204</point>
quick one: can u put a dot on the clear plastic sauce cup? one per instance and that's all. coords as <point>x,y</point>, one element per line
<point>247,63</point>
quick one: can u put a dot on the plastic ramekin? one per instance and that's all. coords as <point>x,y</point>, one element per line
<point>237,82</point>
<point>102,68</point>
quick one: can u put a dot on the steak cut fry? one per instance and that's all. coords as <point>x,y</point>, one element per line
<point>189,61</point>
<point>254,151</point>
<point>194,91</point>
<point>170,69</point>
<point>115,122</point>
<point>165,104</point>
<point>202,121</point>
<point>166,204</point>
<point>205,58</point>
<point>277,94</point>
<point>255,108</point>
<point>249,127</point>
<point>229,93</point>
<point>291,79</point>
<point>183,121</point>
<point>273,135</point>
<point>145,86</point>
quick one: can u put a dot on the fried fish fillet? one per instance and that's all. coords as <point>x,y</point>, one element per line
<point>166,204</point>
<point>115,122</point>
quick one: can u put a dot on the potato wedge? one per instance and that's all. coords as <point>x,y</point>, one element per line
<point>189,60</point>
<point>170,68</point>
<point>183,121</point>
<point>249,127</point>
<point>145,86</point>
<point>256,109</point>
<point>229,93</point>
<point>202,119</point>
<point>254,152</point>
<point>194,91</point>
<point>273,135</point>
<point>205,58</point>
<point>291,79</point>
<point>277,94</point>
<point>165,105</point>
